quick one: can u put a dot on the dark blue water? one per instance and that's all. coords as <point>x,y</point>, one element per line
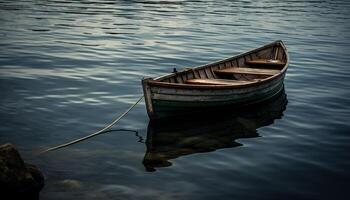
<point>67,68</point>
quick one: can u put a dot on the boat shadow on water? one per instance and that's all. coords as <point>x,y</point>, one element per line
<point>170,139</point>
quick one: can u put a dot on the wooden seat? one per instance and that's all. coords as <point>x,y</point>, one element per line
<point>265,63</point>
<point>249,71</point>
<point>216,82</point>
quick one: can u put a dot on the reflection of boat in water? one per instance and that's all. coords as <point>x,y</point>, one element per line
<point>174,138</point>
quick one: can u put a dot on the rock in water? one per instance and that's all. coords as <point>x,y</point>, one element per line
<point>18,180</point>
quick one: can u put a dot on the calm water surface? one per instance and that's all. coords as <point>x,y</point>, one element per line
<point>67,68</point>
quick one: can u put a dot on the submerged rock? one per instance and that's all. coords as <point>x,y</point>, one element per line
<point>70,184</point>
<point>18,179</point>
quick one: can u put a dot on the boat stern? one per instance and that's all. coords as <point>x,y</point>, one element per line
<point>147,93</point>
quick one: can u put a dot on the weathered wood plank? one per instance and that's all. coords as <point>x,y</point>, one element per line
<point>217,82</point>
<point>265,53</point>
<point>222,65</point>
<point>241,62</point>
<point>254,56</point>
<point>266,62</point>
<point>147,95</point>
<point>202,73</point>
<point>184,77</point>
<point>179,79</point>
<point>228,64</point>
<point>280,54</point>
<point>253,71</point>
<point>209,73</point>
<point>196,74</point>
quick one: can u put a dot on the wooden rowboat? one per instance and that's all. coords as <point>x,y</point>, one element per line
<point>244,79</point>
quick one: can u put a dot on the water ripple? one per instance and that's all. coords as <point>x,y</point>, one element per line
<point>69,67</point>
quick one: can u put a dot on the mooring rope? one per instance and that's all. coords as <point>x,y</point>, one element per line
<point>95,133</point>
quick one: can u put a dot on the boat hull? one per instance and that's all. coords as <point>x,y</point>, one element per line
<point>170,96</point>
<point>171,102</point>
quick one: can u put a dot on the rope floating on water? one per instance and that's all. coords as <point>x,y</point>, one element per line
<point>95,133</point>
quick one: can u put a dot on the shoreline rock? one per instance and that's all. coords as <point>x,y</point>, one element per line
<point>18,179</point>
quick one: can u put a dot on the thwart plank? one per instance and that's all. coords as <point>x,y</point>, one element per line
<point>217,82</point>
<point>265,62</point>
<point>252,71</point>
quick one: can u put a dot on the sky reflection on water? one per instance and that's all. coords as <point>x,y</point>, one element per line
<point>67,68</point>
